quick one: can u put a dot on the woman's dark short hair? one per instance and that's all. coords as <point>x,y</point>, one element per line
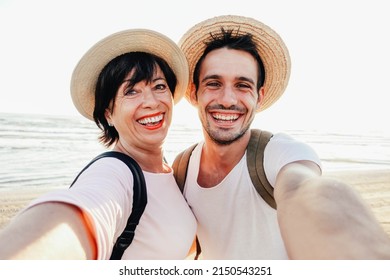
<point>111,78</point>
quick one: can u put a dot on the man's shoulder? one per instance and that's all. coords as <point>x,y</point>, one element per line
<point>282,136</point>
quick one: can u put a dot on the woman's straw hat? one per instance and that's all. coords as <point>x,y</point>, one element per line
<point>86,73</point>
<point>271,48</point>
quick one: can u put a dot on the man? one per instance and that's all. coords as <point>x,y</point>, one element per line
<point>239,67</point>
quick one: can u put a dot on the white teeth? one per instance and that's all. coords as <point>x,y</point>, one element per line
<point>224,117</point>
<point>151,120</point>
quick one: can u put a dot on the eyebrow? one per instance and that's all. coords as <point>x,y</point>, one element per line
<point>241,78</point>
<point>154,80</point>
<point>159,78</point>
<point>209,77</point>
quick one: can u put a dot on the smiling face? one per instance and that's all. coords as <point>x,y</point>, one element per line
<point>142,112</point>
<point>227,98</point>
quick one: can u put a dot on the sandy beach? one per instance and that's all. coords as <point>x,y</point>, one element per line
<point>373,185</point>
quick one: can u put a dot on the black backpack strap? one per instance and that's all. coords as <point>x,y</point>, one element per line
<point>255,157</point>
<point>139,201</point>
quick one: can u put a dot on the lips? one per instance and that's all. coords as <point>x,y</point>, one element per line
<point>225,117</point>
<point>152,121</point>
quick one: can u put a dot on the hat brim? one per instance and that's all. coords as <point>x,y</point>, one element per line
<point>271,48</point>
<point>86,72</point>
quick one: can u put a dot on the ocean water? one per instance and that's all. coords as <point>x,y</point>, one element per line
<point>48,151</point>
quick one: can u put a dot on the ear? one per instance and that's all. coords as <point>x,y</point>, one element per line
<point>193,97</point>
<point>260,98</point>
<point>107,114</point>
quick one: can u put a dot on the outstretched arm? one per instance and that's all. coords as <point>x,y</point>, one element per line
<point>322,218</point>
<point>48,231</point>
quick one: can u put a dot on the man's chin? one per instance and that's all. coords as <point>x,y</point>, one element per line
<point>225,139</point>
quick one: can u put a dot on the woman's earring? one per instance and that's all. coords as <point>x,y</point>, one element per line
<point>110,124</point>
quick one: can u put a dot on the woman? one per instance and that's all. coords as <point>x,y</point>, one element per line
<point>127,83</point>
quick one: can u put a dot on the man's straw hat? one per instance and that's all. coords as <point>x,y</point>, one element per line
<point>86,73</point>
<point>271,48</point>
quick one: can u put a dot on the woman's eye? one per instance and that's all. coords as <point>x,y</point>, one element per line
<point>130,92</point>
<point>161,87</point>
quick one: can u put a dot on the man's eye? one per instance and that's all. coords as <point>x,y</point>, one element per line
<point>243,86</point>
<point>212,84</point>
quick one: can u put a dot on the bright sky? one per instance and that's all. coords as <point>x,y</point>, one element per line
<point>339,51</point>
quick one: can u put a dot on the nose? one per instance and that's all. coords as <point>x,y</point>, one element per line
<point>228,97</point>
<point>149,99</point>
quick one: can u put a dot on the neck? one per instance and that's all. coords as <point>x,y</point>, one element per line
<point>149,160</point>
<point>218,160</point>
